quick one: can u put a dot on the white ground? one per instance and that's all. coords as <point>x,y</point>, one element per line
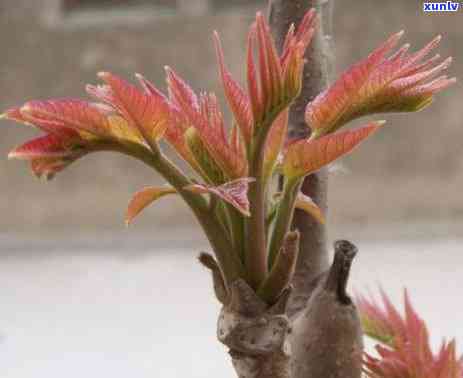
<point>119,315</point>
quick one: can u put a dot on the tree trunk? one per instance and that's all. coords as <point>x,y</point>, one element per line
<point>313,255</point>
<point>313,331</point>
<point>326,338</point>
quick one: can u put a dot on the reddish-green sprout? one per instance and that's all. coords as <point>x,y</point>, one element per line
<point>229,185</point>
<point>405,350</point>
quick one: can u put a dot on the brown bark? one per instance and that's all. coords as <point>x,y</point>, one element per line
<point>256,335</point>
<point>313,255</point>
<point>327,338</point>
<point>323,341</point>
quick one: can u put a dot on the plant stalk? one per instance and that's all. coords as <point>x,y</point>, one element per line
<point>256,244</point>
<point>255,256</point>
<point>283,219</point>
<point>215,233</point>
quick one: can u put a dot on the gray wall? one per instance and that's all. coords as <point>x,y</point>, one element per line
<point>412,170</point>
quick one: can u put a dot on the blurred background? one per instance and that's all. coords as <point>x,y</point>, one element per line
<point>83,295</point>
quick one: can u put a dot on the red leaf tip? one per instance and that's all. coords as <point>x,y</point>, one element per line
<point>394,39</point>
<point>447,62</point>
<point>103,74</point>
<point>12,155</point>
<point>406,47</point>
<point>26,108</point>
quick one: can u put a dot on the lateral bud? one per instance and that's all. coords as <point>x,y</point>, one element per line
<point>283,269</point>
<point>281,305</point>
<point>244,300</point>
<point>220,289</point>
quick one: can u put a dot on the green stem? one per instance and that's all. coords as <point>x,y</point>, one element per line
<point>222,215</point>
<point>256,244</point>
<point>217,236</point>
<point>237,230</point>
<point>255,256</point>
<point>283,218</point>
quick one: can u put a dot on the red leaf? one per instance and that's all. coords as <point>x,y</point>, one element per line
<point>292,58</point>
<point>85,119</point>
<point>255,92</point>
<point>275,142</point>
<point>232,161</point>
<point>143,199</point>
<point>302,36</point>
<point>277,80</point>
<point>50,146</point>
<point>307,156</point>
<point>48,154</point>
<point>147,113</point>
<point>204,115</point>
<point>269,65</point>
<point>74,128</point>
<point>378,84</point>
<point>305,203</point>
<point>234,192</point>
<point>237,98</point>
<point>181,94</point>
